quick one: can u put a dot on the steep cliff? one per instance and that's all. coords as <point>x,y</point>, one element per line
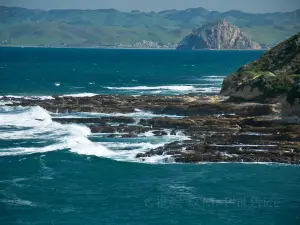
<point>272,75</point>
<point>219,35</point>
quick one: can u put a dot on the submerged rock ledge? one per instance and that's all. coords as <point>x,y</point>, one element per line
<point>219,131</point>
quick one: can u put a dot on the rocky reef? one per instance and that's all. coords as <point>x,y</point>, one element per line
<point>219,35</point>
<point>269,78</point>
<point>260,122</point>
<point>218,130</point>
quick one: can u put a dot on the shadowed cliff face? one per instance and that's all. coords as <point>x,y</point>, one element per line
<point>272,75</point>
<point>220,35</point>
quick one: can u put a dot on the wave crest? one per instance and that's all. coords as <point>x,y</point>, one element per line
<point>171,88</point>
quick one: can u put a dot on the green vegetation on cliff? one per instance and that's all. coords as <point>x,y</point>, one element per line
<point>19,26</point>
<point>273,74</point>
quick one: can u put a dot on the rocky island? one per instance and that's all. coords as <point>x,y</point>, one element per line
<point>219,35</point>
<point>258,122</point>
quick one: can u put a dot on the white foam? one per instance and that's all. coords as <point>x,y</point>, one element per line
<point>5,102</point>
<point>18,202</point>
<point>158,159</point>
<point>202,88</point>
<point>189,65</point>
<point>213,78</point>
<point>142,147</point>
<point>209,90</point>
<point>156,92</point>
<point>219,80</point>
<point>80,95</point>
<point>147,134</point>
<point>171,88</point>
<point>24,116</point>
<point>254,134</point>
<point>36,123</point>
<point>27,97</point>
<point>138,114</point>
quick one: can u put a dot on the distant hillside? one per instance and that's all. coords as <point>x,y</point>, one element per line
<point>218,35</point>
<point>19,26</point>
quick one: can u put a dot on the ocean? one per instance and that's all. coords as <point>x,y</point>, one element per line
<point>55,173</point>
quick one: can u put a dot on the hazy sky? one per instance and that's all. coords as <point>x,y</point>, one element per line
<point>257,6</point>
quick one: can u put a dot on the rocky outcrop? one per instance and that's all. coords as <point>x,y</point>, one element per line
<point>291,106</point>
<point>220,35</point>
<point>218,131</point>
<point>102,120</point>
<point>171,105</point>
<point>235,139</point>
<point>270,76</point>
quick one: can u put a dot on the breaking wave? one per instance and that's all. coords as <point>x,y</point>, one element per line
<point>80,95</point>
<point>30,130</point>
<point>35,124</point>
<point>172,88</point>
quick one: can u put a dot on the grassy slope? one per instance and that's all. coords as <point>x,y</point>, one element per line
<point>274,73</point>
<point>35,34</point>
<point>269,35</point>
<point>107,27</point>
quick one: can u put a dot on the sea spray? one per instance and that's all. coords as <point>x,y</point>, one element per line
<point>34,125</point>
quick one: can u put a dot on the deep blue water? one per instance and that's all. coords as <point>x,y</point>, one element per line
<point>62,174</point>
<point>35,71</point>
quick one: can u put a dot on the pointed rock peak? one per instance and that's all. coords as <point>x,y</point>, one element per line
<point>224,22</point>
<point>218,35</point>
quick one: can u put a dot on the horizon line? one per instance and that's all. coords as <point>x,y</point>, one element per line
<point>137,10</point>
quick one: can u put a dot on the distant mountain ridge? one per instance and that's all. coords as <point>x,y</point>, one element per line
<point>19,26</point>
<point>219,35</point>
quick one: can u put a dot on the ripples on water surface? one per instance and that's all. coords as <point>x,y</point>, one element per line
<point>62,174</point>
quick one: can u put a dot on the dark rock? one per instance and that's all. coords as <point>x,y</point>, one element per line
<point>219,131</point>
<point>160,133</point>
<point>179,110</point>
<point>130,135</point>
<point>165,122</point>
<point>256,110</point>
<point>120,129</point>
<point>102,120</point>
<point>118,119</point>
<point>79,120</point>
<point>173,132</point>
<point>103,129</point>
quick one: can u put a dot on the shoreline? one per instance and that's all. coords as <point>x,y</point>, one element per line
<point>218,131</point>
<point>62,47</point>
<point>112,48</point>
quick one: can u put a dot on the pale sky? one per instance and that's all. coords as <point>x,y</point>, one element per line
<point>253,6</point>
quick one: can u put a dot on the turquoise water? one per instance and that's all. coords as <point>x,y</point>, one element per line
<point>63,174</point>
<point>37,71</point>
